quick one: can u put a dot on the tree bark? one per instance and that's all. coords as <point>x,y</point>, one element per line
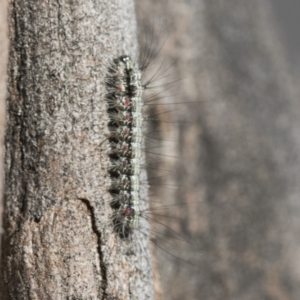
<point>238,142</point>
<point>59,241</point>
<point>3,77</point>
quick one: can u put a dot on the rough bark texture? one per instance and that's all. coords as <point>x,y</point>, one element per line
<point>238,149</point>
<point>59,241</point>
<point>3,72</point>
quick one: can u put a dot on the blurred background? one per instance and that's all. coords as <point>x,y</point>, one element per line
<point>287,20</point>
<point>238,143</point>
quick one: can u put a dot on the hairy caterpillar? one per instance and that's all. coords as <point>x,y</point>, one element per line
<point>126,117</point>
<point>126,121</point>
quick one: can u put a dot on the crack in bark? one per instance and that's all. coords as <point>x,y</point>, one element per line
<point>99,249</point>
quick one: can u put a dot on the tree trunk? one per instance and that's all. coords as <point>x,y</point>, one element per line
<point>3,77</point>
<point>59,241</point>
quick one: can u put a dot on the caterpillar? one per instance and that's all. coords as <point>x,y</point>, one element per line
<point>125,106</point>
<point>126,126</point>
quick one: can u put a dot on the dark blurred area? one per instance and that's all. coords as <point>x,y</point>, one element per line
<point>287,14</point>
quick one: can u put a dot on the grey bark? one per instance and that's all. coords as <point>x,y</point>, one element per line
<point>3,73</point>
<point>238,149</point>
<point>59,241</point>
